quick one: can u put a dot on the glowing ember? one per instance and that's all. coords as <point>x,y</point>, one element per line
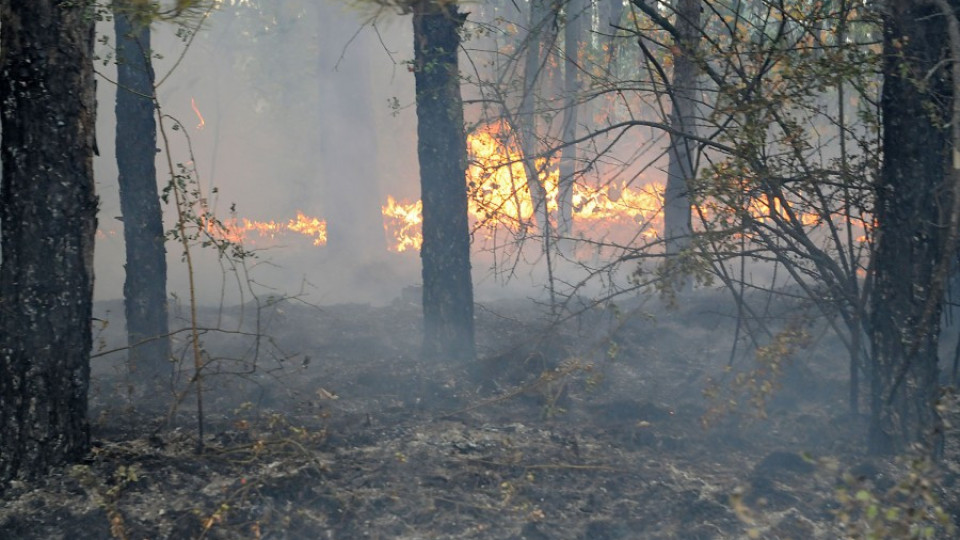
<point>202,123</point>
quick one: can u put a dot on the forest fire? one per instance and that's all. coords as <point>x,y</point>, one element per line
<point>243,230</point>
<point>402,224</point>
<point>499,197</point>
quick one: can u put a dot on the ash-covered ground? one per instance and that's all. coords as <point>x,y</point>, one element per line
<point>624,422</point>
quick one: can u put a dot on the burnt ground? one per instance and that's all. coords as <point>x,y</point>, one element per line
<point>622,423</point>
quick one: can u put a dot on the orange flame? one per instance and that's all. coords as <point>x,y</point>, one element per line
<point>309,226</point>
<point>193,105</point>
<point>402,222</point>
<point>498,179</point>
<point>499,196</point>
<point>241,230</point>
<point>641,206</point>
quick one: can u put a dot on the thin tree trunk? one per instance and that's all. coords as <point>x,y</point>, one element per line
<point>48,215</point>
<point>911,203</point>
<point>571,87</point>
<point>441,148</point>
<point>527,120</point>
<point>610,13</point>
<point>677,227</point>
<point>145,288</point>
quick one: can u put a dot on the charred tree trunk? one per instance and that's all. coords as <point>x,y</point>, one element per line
<point>911,203</point>
<point>571,87</point>
<point>48,215</point>
<point>441,148</point>
<point>677,226</point>
<point>145,288</point>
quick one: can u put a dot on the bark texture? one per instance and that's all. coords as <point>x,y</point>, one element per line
<point>680,172</point>
<point>571,87</point>
<point>609,13</point>
<point>911,210</point>
<point>48,220</point>
<point>145,288</point>
<point>533,64</point>
<point>441,148</point>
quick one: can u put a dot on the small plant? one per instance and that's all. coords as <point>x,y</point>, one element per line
<point>908,510</point>
<point>107,493</point>
<point>758,385</point>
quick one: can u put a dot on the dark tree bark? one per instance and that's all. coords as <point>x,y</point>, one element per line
<point>677,226</point>
<point>571,82</point>
<point>145,288</point>
<point>441,148</point>
<point>911,211</point>
<point>48,215</point>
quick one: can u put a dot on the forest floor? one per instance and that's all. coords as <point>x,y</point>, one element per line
<point>616,424</point>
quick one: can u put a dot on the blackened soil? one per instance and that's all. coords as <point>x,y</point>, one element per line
<point>620,423</point>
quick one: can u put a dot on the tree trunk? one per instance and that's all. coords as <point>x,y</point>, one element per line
<point>609,13</point>
<point>526,116</point>
<point>911,203</point>
<point>441,148</point>
<point>145,288</point>
<point>681,170</point>
<point>48,215</point>
<point>571,87</point>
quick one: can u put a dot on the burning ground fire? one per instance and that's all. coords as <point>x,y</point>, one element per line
<point>402,222</point>
<point>617,213</point>
<point>246,231</point>
<point>499,197</point>
<point>251,232</point>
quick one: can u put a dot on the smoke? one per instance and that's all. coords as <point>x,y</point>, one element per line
<point>300,107</point>
<point>299,114</point>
